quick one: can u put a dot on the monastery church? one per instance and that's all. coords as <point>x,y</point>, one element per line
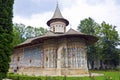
<point>56,53</point>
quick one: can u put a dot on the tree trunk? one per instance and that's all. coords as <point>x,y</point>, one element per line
<point>101,65</point>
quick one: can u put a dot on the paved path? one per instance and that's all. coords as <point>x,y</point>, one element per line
<point>7,79</point>
<point>83,75</point>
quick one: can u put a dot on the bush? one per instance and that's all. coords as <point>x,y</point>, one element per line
<point>117,68</point>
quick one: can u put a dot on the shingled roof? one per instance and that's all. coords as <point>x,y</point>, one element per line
<point>57,13</point>
<point>89,39</point>
<point>57,17</point>
<point>72,31</point>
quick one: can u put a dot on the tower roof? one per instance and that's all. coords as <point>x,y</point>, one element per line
<point>57,13</point>
<point>57,17</point>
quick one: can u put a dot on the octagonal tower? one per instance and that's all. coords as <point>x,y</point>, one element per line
<point>57,23</point>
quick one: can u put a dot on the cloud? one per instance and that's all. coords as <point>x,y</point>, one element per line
<point>37,20</point>
<point>106,11</point>
<point>77,10</point>
<point>27,8</point>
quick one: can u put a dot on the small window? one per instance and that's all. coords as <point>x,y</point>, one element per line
<point>18,59</point>
<point>30,60</point>
<point>54,29</point>
<point>46,58</point>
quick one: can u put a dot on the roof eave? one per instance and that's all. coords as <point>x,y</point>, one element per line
<point>89,39</point>
<point>57,19</point>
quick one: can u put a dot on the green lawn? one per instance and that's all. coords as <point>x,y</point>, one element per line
<point>108,75</point>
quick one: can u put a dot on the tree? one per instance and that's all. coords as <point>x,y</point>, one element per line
<point>89,26</point>
<point>34,32</point>
<point>40,31</point>
<point>6,14</point>
<point>29,32</point>
<point>20,28</point>
<point>18,34</point>
<point>104,51</point>
<point>22,32</point>
<point>109,42</point>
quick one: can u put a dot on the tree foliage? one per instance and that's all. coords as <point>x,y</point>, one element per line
<point>109,41</point>
<point>6,14</point>
<point>17,34</point>
<point>105,49</point>
<point>89,26</point>
<point>22,32</point>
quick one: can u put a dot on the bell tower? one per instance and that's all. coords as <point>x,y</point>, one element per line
<point>57,23</point>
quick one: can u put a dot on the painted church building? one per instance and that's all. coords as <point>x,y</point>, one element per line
<point>56,53</point>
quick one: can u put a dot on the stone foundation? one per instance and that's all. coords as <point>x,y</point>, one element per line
<point>36,71</point>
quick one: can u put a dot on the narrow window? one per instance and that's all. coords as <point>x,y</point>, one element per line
<point>18,59</point>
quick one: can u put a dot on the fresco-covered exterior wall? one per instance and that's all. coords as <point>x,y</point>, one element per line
<point>65,56</point>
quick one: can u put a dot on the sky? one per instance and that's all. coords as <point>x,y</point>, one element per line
<point>37,12</point>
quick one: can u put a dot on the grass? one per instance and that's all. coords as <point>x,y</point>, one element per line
<point>108,75</point>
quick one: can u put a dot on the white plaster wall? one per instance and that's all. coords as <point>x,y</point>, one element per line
<point>58,27</point>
